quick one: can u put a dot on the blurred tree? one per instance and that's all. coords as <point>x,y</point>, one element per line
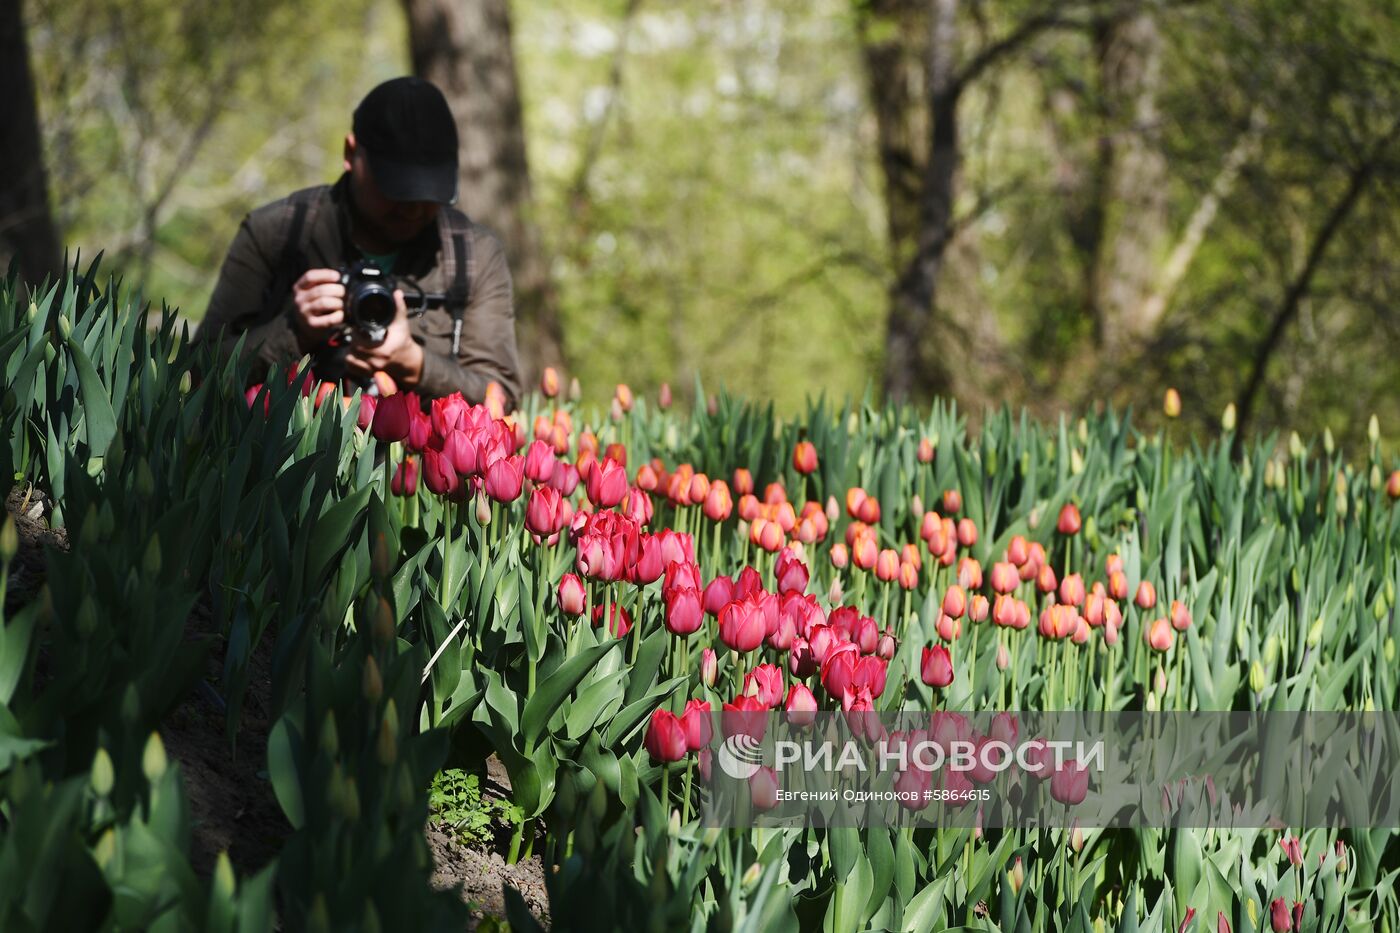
<point>26,224</point>
<point>466,49</point>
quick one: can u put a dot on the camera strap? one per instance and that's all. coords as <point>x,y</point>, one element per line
<point>455,234</point>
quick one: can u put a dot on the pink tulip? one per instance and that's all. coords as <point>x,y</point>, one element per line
<point>697,724</point>
<point>572,596</point>
<point>405,482</point>
<point>840,557</point>
<point>1069,522</point>
<point>649,566</point>
<point>948,627</point>
<point>709,667</point>
<point>718,594</point>
<point>1070,784</point>
<point>955,601</point>
<point>800,706</point>
<point>742,626</point>
<point>1146,595</point>
<point>684,614</point>
<point>505,478</point>
<point>763,789</point>
<point>979,609</point>
<point>746,715</point>
<point>620,623</point>
<point>765,682</point>
<point>547,512</point>
<point>665,739</point>
<point>804,457</point>
<point>839,668</point>
<point>540,462</point>
<point>364,418</point>
<point>1072,590</point>
<point>420,426</point>
<point>1160,635</point>
<point>1180,615</point>
<point>607,483</point>
<point>791,572</point>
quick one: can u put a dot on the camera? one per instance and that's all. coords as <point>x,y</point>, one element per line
<point>369,300</point>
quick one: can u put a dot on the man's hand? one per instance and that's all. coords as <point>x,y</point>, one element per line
<point>399,355</point>
<point>320,301</point>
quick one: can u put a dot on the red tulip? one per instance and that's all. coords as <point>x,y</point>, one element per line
<point>636,505</point>
<point>718,594</point>
<point>746,715</point>
<point>565,478</point>
<point>572,596</point>
<point>392,418</point>
<point>1187,920</point>
<point>1279,916</point>
<point>684,613</point>
<point>804,457</point>
<point>405,481</point>
<point>620,622</point>
<point>665,740</point>
<point>420,426</point>
<point>936,668</point>
<point>697,725</point>
<point>838,668</point>
<point>1292,847</point>
<point>1069,523</point>
<point>765,682</point>
<point>742,626</point>
<point>1392,485</point>
<point>438,472</point>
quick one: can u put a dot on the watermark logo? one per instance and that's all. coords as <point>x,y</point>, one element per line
<point>740,756</point>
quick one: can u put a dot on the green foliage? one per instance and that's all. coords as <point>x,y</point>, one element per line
<point>456,801</point>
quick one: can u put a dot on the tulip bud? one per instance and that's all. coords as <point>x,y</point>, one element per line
<point>1327,443</point>
<point>835,595</point>
<point>709,667</point>
<point>1373,430</point>
<point>1017,876</point>
<point>371,684</point>
<point>575,390</point>
<point>9,540</point>
<point>1227,420</point>
<point>103,776</point>
<point>386,747</point>
<point>153,759</point>
<point>549,382</point>
<point>1257,678</point>
<point>1003,658</point>
<point>1076,839</point>
<point>1389,650</point>
<point>1152,704</point>
<point>1295,446</point>
<point>483,511</point>
<point>104,851</point>
<point>382,626</point>
<point>1076,461</point>
<point>1171,404</point>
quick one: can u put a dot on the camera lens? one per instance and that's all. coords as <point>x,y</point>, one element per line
<point>374,306</point>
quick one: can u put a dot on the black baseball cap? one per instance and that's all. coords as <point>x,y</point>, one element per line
<point>410,140</point>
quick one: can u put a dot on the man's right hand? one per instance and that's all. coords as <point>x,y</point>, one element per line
<point>320,303</point>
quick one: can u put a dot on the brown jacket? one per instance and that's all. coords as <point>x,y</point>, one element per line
<point>244,299</point>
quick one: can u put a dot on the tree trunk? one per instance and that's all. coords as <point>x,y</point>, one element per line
<point>27,227</point>
<point>465,49</point>
<point>1134,215</point>
<point>910,373</point>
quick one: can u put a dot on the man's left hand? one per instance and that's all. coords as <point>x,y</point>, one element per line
<point>399,355</point>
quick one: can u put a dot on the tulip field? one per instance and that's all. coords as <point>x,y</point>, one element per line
<point>576,593</point>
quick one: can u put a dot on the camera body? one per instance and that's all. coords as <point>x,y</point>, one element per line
<point>369,300</point>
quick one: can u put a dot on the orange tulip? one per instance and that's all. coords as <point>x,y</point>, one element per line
<point>1069,523</point>
<point>743,482</point>
<point>624,396</point>
<point>908,575</point>
<point>887,563</point>
<point>549,382</point>
<point>969,574</point>
<point>1392,485</point>
<point>925,450</point>
<point>1160,635</point>
<point>804,457</point>
<point>1118,585</point>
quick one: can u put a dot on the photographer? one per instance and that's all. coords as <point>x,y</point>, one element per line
<point>376,272</point>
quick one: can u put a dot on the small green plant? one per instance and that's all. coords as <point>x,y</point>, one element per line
<point>456,801</point>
